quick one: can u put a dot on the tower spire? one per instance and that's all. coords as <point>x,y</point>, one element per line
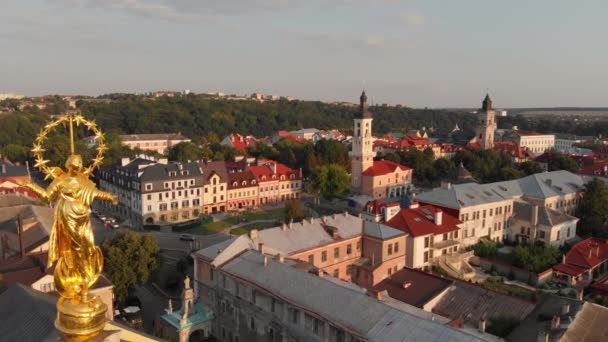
<point>363,106</point>
<point>487,103</point>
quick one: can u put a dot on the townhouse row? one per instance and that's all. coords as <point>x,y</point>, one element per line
<point>154,191</point>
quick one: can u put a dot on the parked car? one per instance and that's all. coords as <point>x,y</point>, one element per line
<point>102,218</point>
<point>187,237</point>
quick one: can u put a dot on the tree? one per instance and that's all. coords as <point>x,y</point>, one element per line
<point>562,162</point>
<point>593,210</point>
<point>15,153</point>
<point>294,211</point>
<point>187,151</point>
<point>530,167</point>
<point>130,260</point>
<point>330,180</point>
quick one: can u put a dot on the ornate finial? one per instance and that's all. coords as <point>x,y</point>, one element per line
<point>170,310</point>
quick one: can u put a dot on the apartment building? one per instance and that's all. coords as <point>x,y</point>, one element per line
<point>487,209</point>
<point>257,297</point>
<point>153,191</point>
<point>276,181</point>
<point>536,142</point>
<point>160,143</point>
<point>532,222</point>
<point>242,191</point>
<point>215,186</point>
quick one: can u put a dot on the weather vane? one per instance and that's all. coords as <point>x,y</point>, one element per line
<point>80,316</point>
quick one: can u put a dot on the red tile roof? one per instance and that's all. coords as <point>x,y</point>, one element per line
<point>413,287</point>
<point>588,253</point>
<point>420,221</point>
<point>241,142</point>
<point>374,207</point>
<point>26,277</point>
<point>512,149</point>
<point>474,144</point>
<point>240,177</point>
<point>601,284</point>
<point>383,167</point>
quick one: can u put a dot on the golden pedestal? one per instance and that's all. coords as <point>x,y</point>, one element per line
<point>78,321</point>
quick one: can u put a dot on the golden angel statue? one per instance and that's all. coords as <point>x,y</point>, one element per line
<point>72,243</point>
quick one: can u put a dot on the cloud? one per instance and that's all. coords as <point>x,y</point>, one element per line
<point>411,18</point>
<point>187,10</point>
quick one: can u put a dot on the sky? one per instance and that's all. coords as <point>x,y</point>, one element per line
<point>420,53</point>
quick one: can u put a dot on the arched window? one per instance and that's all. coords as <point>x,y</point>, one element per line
<point>235,184</point>
<point>244,183</point>
<point>292,176</point>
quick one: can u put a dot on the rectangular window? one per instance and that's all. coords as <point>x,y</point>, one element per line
<point>427,242</point>
<point>311,259</point>
<point>149,197</point>
<point>295,316</point>
<point>324,256</point>
<point>349,249</point>
<point>336,252</point>
<point>396,249</point>
<point>445,236</point>
<point>426,256</point>
<point>337,273</point>
<point>390,249</point>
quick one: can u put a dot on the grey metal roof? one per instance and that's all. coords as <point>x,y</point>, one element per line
<point>309,233</point>
<point>551,305</point>
<point>10,200</point>
<point>27,315</point>
<point>539,185</point>
<point>9,169</point>
<point>342,306</point>
<point>37,222</point>
<point>522,210</point>
<point>226,250</point>
<point>380,231</point>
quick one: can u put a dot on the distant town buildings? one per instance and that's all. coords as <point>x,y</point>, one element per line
<point>12,173</point>
<point>5,96</point>
<point>238,141</point>
<point>160,143</point>
<point>486,126</point>
<point>536,142</point>
<point>377,179</point>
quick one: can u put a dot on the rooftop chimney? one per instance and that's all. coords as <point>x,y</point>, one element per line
<point>565,309</point>
<point>261,247</point>
<point>265,261</point>
<point>3,168</point>
<point>284,227</point>
<point>253,234</point>
<point>407,284</point>
<point>482,325</point>
<point>290,223</point>
<point>439,217</point>
<point>21,242</point>
<point>555,322</point>
<point>534,218</point>
<point>414,205</point>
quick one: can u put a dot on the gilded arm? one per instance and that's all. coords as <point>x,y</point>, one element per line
<point>45,194</point>
<point>106,196</point>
